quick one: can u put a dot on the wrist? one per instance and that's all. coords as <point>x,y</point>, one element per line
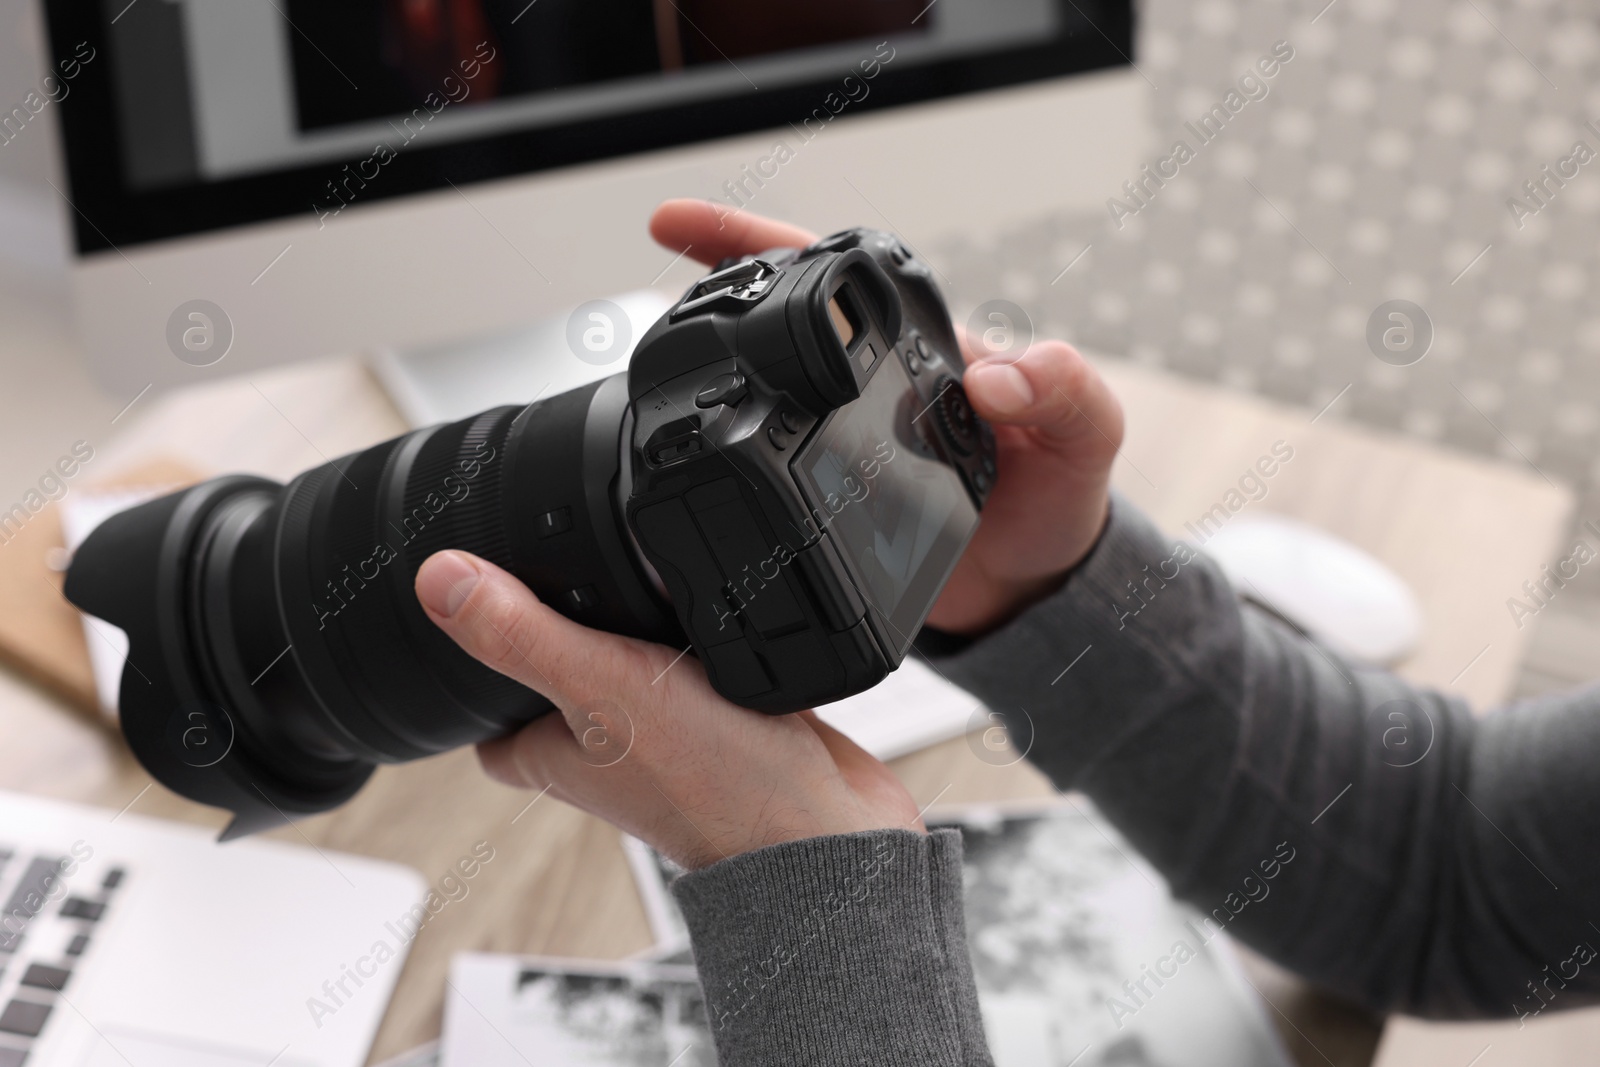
<point>798,822</point>
<point>995,600</point>
<point>1004,602</point>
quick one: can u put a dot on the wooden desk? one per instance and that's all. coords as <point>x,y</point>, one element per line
<point>1463,532</point>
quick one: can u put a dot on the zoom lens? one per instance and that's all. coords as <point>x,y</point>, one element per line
<point>288,612</point>
<point>277,651</point>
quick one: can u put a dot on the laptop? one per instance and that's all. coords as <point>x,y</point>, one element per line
<point>130,942</point>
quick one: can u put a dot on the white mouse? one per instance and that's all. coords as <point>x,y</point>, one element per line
<point>1334,592</point>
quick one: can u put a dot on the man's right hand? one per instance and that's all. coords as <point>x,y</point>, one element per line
<point>1057,425</point>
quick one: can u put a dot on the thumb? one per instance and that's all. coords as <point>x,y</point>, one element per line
<point>500,623</point>
<point>870,778</point>
<point>1051,390</point>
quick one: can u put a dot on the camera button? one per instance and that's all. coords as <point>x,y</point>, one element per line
<point>581,598</point>
<point>723,389</point>
<point>928,354</point>
<point>775,436</point>
<point>791,422</point>
<point>551,523</point>
<point>838,242</point>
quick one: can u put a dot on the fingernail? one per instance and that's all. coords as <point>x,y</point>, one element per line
<point>445,582</point>
<point>1004,387</point>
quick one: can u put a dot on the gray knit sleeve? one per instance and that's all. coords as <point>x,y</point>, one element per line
<point>837,950</point>
<point>1445,865</point>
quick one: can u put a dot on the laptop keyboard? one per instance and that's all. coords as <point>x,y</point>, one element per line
<point>48,922</point>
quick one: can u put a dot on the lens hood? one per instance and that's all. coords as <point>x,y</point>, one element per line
<point>138,571</point>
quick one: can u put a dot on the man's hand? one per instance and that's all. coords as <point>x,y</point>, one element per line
<point>644,742</point>
<point>1057,425</point>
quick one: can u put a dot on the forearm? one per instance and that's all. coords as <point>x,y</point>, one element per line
<point>1214,737</point>
<point>846,949</point>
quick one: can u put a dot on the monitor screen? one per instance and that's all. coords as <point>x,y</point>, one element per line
<point>898,517</point>
<point>199,114</point>
<point>402,51</point>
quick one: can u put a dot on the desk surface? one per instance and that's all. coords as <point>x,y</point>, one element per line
<point>1463,532</point>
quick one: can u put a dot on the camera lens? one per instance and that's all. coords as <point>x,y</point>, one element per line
<point>289,611</point>
<point>957,420</point>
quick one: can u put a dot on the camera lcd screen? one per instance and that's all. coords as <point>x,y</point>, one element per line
<point>898,517</point>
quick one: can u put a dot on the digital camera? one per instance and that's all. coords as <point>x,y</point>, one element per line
<point>782,481</point>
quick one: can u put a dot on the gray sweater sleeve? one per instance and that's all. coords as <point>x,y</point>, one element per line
<point>837,950</point>
<point>1443,865</point>
<point>1371,836</point>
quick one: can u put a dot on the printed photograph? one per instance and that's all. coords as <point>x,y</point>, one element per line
<point>513,1011</point>
<point>1060,916</point>
<point>614,1020</point>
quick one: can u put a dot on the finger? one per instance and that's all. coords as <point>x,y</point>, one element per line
<point>848,755</point>
<point>507,759</point>
<point>499,622</point>
<point>711,232</point>
<point>1052,390</point>
<point>495,759</point>
<point>866,773</point>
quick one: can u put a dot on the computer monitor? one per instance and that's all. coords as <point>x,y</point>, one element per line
<point>332,178</point>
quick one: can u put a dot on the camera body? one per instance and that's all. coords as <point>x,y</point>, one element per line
<point>806,469</point>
